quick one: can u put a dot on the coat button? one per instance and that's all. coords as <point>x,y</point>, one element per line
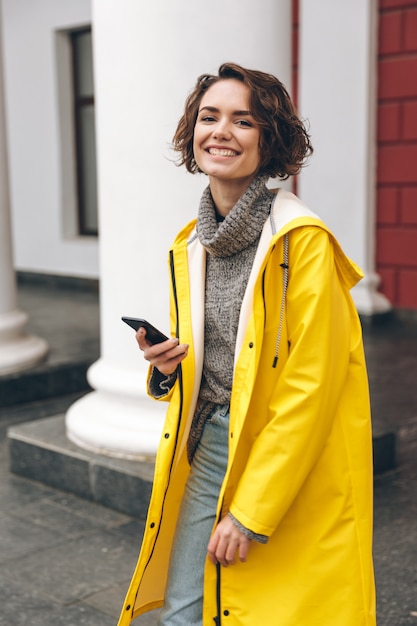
<point>152,524</point>
<point>251,344</point>
<point>166,435</point>
<point>226,613</point>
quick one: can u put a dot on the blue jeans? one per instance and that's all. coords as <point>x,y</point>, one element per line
<point>184,593</point>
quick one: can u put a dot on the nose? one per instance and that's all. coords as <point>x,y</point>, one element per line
<point>222,130</point>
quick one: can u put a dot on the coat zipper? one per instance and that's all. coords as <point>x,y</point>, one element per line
<point>285,268</point>
<point>180,382</point>
<point>217,619</point>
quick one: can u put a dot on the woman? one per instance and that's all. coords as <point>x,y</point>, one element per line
<point>261,511</point>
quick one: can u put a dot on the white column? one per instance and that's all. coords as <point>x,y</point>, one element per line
<point>18,350</point>
<point>147,58</point>
<point>338,65</point>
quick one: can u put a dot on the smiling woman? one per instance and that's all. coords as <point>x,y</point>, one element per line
<point>226,142</point>
<point>261,510</point>
<point>284,141</point>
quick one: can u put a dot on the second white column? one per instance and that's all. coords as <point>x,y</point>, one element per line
<point>147,57</point>
<point>338,64</point>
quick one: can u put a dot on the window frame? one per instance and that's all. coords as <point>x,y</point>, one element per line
<point>79,102</point>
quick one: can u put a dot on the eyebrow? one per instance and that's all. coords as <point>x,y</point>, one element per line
<point>215,110</point>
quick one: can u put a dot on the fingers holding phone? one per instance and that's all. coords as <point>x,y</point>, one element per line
<point>161,352</point>
<point>165,356</point>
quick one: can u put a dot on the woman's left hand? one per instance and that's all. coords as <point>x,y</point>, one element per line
<point>227,539</point>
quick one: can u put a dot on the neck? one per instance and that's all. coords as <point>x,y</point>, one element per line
<point>225,194</point>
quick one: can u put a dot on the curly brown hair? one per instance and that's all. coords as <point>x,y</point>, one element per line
<point>284,141</point>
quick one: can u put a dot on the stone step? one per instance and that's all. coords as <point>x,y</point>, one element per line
<point>385,453</point>
<point>39,450</point>
<point>43,382</point>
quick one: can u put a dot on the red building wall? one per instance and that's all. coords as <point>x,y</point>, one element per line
<point>295,44</point>
<point>396,227</point>
<point>294,77</point>
<point>396,211</point>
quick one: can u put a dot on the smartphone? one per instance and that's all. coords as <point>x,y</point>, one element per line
<point>153,335</point>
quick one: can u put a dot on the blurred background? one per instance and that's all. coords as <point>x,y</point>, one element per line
<point>90,200</point>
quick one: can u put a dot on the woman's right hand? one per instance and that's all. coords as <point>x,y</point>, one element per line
<point>164,356</point>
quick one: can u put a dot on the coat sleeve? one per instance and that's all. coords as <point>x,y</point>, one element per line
<point>305,398</point>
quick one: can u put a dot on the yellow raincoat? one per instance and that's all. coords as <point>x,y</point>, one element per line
<point>300,452</point>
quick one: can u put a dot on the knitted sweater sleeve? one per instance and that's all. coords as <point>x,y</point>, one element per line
<point>248,533</point>
<point>159,384</point>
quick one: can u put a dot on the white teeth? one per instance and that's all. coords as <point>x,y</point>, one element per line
<point>222,152</point>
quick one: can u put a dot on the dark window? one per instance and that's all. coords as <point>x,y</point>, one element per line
<point>85,131</point>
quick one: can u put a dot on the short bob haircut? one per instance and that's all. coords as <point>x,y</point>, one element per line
<point>284,142</point>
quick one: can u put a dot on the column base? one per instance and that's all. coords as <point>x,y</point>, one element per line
<point>114,425</point>
<point>18,350</point>
<point>368,300</point>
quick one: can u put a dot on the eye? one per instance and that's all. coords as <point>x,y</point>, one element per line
<point>244,122</point>
<point>207,118</point>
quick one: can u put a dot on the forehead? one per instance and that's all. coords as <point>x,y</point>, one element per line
<point>227,92</point>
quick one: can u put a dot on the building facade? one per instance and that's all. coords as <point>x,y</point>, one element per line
<point>396,224</point>
<point>73,110</point>
<point>42,148</point>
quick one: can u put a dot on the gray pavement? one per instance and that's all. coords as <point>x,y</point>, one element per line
<point>66,561</point>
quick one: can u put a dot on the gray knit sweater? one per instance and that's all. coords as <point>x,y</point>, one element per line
<point>231,246</point>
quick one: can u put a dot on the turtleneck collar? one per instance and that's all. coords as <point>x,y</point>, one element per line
<point>241,226</point>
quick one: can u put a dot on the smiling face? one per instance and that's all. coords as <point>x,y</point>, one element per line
<point>226,136</point>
